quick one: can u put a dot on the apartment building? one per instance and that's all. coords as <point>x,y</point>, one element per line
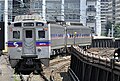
<point>2,2</point>
<point>117,11</point>
<point>111,11</point>
<point>20,7</point>
<point>84,11</point>
<point>67,10</point>
<point>104,14</point>
<point>90,15</point>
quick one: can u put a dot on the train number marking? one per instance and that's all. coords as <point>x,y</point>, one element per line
<point>15,44</point>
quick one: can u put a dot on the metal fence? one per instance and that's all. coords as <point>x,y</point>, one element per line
<point>89,67</point>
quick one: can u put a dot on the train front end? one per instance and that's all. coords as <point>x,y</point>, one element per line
<point>29,44</point>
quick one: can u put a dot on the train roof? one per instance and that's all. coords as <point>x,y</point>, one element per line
<point>69,26</point>
<point>74,23</point>
<point>28,18</point>
<point>102,37</point>
<point>56,25</point>
<point>28,21</point>
<point>77,26</point>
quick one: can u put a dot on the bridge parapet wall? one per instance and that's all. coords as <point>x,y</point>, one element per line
<point>90,67</point>
<point>105,43</point>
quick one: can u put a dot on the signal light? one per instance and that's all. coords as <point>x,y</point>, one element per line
<point>45,29</point>
<point>117,54</point>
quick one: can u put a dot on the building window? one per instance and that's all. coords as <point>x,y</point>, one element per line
<point>2,17</point>
<point>9,17</point>
<point>73,5</point>
<point>36,5</point>
<point>78,16</point>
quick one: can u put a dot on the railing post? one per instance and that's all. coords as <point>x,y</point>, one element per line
<point>112,61</point>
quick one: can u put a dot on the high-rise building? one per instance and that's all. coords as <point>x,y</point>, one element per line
<point>90,15</point>
<point>104,13</point>
<point>111,11</point>
<point>2,5</point>
<point>72,10</point>
<point>117,11</point>
<point>84,11</point>
<point>68,10</point>
<point>20,7</point>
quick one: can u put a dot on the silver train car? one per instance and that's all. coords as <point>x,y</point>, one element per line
<point>78,35</point>
<point>31,41</point>
<point>28,43</point>
<point>57,38</point>
<point>63,36</point>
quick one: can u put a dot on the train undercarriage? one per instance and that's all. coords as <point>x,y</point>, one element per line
<point>26,66</point>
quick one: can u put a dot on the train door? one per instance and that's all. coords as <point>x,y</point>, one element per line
<point>28,41</point>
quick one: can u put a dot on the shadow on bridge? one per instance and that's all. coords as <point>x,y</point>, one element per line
<point>88,67</point>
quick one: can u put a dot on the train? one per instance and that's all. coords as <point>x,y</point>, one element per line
<point>32,41</point>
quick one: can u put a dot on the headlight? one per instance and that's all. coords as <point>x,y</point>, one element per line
<point>19,50</point>
<point>116,54</point>
<point>39,50</point>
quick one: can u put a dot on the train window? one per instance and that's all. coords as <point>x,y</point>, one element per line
<point>28,33</point>
<point>41,34</point>
<point>29,24</point>
<point>39,24</point>
<point>16,34</point>
<point>17,24</point>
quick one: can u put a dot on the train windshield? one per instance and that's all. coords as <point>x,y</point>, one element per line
<point>16,34</point>
<point>29,24</point>
<point>28,33</point>
<point>39,24</point>
<point>41,34</point>
<point>17,24</point>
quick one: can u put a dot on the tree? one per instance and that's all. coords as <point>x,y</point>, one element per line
<point>107,27</point>
<point>117,31</point>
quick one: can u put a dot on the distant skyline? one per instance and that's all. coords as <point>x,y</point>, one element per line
<point>74,11</point>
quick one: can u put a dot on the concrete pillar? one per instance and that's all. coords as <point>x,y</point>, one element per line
<point>6,23</point>
<point>62,10</point>
<point>44,9</point>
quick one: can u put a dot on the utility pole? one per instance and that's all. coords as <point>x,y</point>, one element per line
<point>44,9</point>
<point>6,22</point>
<point>62,10</point>
<point>75,33</point>
<point>112,30</point>
<point>109,33</point>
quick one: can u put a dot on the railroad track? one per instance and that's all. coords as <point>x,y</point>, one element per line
<point>56,65</point>
<point>50,74</point>
<point>7,73</point>
<point>58,61</point>
<point>55,74</point>
<point>102,52</point>
<point>32,77</point>
<point>62,67</point>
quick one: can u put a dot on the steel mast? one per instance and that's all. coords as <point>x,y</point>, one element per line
<point>44,9</point>
<point>6,23</point>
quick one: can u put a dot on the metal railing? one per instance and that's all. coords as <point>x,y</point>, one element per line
<point>97,61</point>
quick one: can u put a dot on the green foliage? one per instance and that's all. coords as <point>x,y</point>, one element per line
<point>117,31</point>
<point>107,27</point>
